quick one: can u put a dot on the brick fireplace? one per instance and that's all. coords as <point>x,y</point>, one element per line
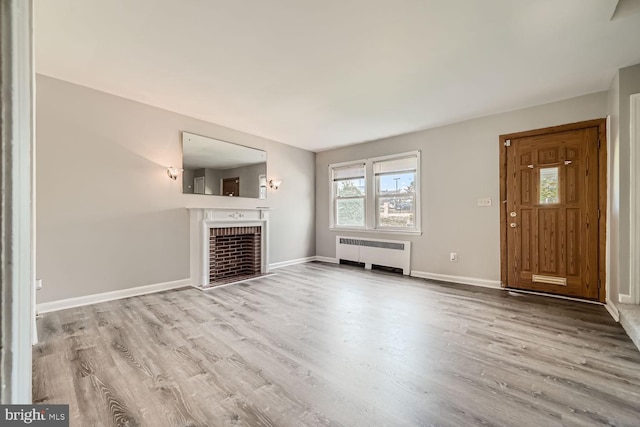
<point>228,245</point>
<point>234,252</point>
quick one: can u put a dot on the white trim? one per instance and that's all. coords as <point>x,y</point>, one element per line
<point>634,205</point>
<point>230,209</point>
<point>34,326</point>
<point>16,201</point>
<point>327,259</point>
<point>281,264</point>
<point>63,304</point>
<point>625,299</point>
<point>613,310</point>
<point>375,231</point>
<point>607,250</point>
<point>485,283</point>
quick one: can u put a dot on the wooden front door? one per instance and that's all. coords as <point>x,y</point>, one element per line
<point>552,210</point>
<point>231,187</point>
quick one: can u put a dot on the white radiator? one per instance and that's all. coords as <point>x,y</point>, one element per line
<point>387,253</point>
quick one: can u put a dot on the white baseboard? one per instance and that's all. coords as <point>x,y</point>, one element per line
<point>277,265</point>
<point>327,259</point>
<point>613,310</point>
<point>46,307</point>
<point>493,284</point>
<point>625,299</point>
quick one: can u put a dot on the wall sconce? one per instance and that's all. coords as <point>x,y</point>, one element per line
<point>173,172</point>
<point>274,183</point>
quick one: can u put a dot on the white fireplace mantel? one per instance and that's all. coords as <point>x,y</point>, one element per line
<point>203,219</point>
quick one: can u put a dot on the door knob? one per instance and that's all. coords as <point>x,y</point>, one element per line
<point>513,225</point>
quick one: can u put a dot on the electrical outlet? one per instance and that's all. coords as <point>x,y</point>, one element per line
<point>453,256</point>
<point>38,284</point>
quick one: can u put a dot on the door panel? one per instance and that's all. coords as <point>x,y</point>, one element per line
<point>552,213</point>
<point>527,240</point>
<point>572,183</point>
<point>548,242</point>
<point>573,241</point>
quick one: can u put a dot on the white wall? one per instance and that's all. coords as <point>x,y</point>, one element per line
<point>614,188</point>
<point>460,163</point>
<point>625,83</point>
<point>109,218</point>
<point>629,83</point>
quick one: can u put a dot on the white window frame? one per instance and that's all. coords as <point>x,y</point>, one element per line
<point>376,194</point>
<point>333,212</point>
<point>371,196</point>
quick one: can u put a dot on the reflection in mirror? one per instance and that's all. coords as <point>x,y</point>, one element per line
<point>220,168</point>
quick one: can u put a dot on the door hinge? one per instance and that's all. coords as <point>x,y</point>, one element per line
<point>599,283</point>
<point>507,143</point>
<point>598,143</point>
<point>598,213</point>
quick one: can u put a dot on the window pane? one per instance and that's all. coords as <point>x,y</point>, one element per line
<point>350,212</point>
<point>549,185</point>
<point>396,183</point>
<point>396,212</point>
<point>396,200</point>
<point>350,188</point>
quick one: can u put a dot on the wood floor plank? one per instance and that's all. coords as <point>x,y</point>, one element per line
<point>330,345</point>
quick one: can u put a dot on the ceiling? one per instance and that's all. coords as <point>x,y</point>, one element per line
<point>323,74</point>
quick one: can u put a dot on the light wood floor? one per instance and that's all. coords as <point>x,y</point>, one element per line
<point>321,344</point>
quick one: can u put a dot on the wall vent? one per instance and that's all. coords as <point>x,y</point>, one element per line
<point>372,243</point>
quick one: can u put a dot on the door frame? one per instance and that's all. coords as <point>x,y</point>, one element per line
<point>601,124</point>
<point>17,201</point>
<point>196,181</point>
<point>634,205</point>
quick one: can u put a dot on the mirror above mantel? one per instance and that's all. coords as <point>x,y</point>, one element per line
<point>219,168</point>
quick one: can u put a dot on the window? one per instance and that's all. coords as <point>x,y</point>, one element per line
<point>549,186</point>
<point>349,196</point>
<point>262,185</point>
<point>396,193</point>
<point>380,194</point>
